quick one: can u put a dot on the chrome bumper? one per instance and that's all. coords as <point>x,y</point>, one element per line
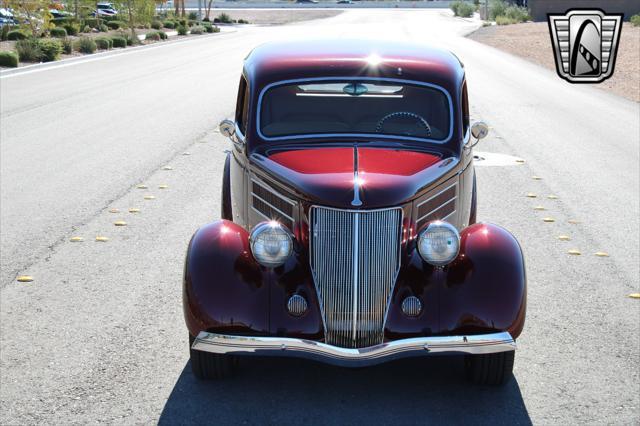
<point>300,348</point>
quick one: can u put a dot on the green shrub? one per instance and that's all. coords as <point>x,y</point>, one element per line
<point>104,43</point>
<point>103,28</point>
<point>182,30</point>
<point>115,25</point>
<point>462,9</point>
<point>50,48</point>
<point>182,22</point>
<point>58,32</point>
<point>197,30</point>
<point>72,29</point>
<point>503,20</point>
<point>92,22</point>
<point>156,25</point>
<point>67,46</point>
<point>119,41</point>
<point>28,50</point>
<point>8,59</point>
<point>86,45</point>
<point>60,22</point>
<point>518,14</point>
<point>86,29</point>
<point>206,19</point>
<point>224,18</point>
<point>192,16</point>
<point>16,35</point>
<point>163,35</point>
<point>208,27</point>
<point>497,8</point>
<point>635,20</point>
<point>191,22</point>
<point>242,21</point>
<point>153,35</point>
<point>169,24</point>
<point>130,40</point>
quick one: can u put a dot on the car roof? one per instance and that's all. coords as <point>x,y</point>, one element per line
<point>313,59</point>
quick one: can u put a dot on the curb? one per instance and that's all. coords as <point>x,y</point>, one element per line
<point>13,72</point>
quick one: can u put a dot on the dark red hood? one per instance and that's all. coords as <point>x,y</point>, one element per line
<point>327,176</point>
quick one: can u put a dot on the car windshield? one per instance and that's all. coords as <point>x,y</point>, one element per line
<point>355,107</point>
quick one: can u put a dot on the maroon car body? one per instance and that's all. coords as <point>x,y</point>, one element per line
<point>474,305</point>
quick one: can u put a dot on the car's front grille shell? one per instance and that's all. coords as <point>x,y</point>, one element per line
<point>355,258</point>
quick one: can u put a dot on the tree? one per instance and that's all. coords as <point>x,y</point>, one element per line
<point>208,9</point>
<point>34,12</point>
<point>138,12</point>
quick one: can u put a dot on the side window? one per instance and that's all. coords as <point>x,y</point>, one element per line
<point>465,109</point>
<point>242,105</point>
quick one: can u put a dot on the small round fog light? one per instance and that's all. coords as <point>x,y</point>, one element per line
<point>411,306</point>
<point>297,305</point>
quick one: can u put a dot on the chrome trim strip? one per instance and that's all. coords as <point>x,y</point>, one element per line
<point>356,182</point>
<point>301,348</point>
<point>269,189</point>
<point>449,215</point>
<point>356,225</point>
<point>261,214</point>
<point>434,196</point>
<point>253,194</point>
<point>438,208</point>
<point>351,135</point>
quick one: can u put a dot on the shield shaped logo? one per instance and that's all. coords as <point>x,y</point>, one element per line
<point>585,43</point>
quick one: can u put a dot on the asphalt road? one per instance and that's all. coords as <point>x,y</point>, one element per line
<point>98,336</point>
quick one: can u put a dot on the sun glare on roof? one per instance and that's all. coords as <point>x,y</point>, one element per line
<point>374,59</point>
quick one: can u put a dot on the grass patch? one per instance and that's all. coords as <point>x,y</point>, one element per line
<point>28,50</point>
<point>635,20</point>
<point>86,45</point>
<point>223,18</point>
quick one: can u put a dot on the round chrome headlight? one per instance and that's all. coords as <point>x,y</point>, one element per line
<point>439,243</point>
<point>271,244</point>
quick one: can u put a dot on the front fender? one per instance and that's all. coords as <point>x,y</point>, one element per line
<point>224,288</point>
<point>485,288</point>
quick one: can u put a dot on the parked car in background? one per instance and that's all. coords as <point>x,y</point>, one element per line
<point>105,9</point>
<point>348,231</point>
<point>7,18</point>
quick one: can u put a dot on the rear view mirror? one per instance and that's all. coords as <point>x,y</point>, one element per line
<point>479,130</point>
<point>227,128</point>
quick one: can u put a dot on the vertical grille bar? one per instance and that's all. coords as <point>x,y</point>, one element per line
<point>355,257</point>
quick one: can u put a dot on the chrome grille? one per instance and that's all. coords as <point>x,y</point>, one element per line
<point>355,258</point>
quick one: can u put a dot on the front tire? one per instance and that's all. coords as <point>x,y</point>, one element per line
<point>208,366</point>
<point>490,369</point>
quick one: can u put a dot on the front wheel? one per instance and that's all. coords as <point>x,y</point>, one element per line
<point>490,369</point>
<point>207,366</point>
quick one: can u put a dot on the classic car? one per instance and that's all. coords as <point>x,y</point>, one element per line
<point>348,229</point>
